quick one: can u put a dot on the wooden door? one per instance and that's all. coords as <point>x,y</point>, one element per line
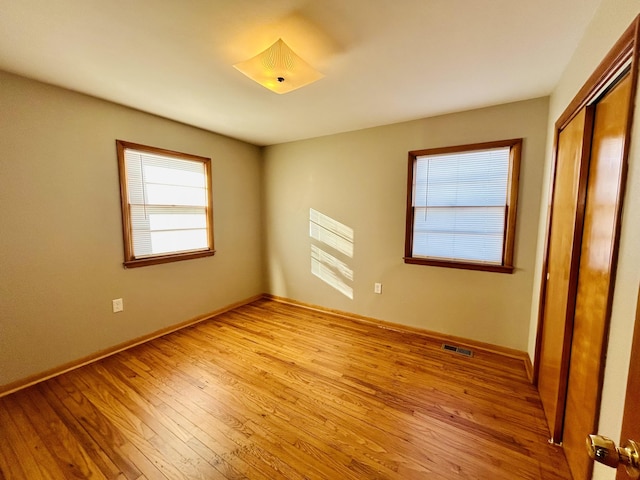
<point>631,418</point>
<point>596,272</point>
<point>563,256</point>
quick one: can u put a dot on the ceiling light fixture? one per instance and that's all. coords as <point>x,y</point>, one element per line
<point>279,69</point>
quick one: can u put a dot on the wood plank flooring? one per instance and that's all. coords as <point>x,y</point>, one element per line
<point>272,391</point>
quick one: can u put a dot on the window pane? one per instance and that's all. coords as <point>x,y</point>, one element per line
<point>173,176</point>
<point>488,220</point>
<point>462,179</point>
<point>141,216</point>
<point>135,189</point>
<point>174,195</point>
<point>177,221</point>
<point>450,246</point>
<point>166,161</point>
<point>148,223</point>
<point>155,243</point>
<point>460,233</point>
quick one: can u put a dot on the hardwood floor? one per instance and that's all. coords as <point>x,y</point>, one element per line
<point>272,391</point>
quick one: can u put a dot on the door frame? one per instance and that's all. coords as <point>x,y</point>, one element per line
<point>624,51</point>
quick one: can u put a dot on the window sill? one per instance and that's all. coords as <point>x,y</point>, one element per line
<point>461,265</point>
<point>176,257</point>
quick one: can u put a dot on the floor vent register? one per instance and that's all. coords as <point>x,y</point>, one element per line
<point>459,350</point>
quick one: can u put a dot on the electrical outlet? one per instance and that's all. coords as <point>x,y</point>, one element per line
<point>377,288</point>
<point>118,306</point>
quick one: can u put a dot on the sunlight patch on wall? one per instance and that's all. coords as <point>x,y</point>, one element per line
<point>331,270</point>
<point>329,235</point>
<point>330,232</point>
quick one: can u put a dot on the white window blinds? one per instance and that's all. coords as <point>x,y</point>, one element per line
<point>167,203</point>
<point>460,205</point>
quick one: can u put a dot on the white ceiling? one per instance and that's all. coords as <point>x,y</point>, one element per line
<point>384,61</point>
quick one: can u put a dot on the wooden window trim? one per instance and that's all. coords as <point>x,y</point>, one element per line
<point>515,155</point>
<point>130,260</point>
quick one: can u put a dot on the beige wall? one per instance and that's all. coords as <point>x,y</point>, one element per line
<point>608,24</point>
<point>61,234</point>
<point>360,180</point>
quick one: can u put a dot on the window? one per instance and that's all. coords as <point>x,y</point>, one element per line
<point>461,206</point>
<point>166,205</point>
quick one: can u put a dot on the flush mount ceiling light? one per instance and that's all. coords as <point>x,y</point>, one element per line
<point>279,69</point>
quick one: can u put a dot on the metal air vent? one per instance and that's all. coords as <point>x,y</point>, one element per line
<point>459,350</point>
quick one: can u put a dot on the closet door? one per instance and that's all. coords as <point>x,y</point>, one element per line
<point>596,272</point>
<point>567,212</point>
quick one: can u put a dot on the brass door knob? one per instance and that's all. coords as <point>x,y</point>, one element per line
<point>604,450</point>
